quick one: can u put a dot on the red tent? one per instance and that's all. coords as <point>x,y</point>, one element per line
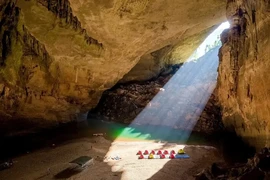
<point>146,152</point>
<point>165,152</point>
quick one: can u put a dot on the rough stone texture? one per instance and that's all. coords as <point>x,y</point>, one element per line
<point>151,65</point>
<point>244,83</point>
<point>210,120</point>
<point>125,102</point>
<point>257,167</point>
<point>59,56</point>
<point>32,81</point>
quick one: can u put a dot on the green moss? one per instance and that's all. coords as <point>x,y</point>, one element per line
<point>68,35</point>
<point>93,49</point>
<point>10,72</point>
<point>20,23</point>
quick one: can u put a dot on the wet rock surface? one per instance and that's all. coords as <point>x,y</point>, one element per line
<point>257,167</point>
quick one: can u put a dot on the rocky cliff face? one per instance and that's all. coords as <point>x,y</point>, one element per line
<point>153,64</point>
<point>31,77</point>
<point>57,57</point>
<point>244,83</point>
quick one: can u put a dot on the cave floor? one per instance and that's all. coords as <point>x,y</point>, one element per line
<point>52,162</point>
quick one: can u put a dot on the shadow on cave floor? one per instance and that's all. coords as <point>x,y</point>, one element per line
<point>46,154</point>
<point>229,147</point>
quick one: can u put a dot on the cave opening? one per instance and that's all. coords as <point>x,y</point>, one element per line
<point>132,64</point>
<point>180,113</point>
<point>175,112</point>
<point>182,110</point>
<point>170,103</point>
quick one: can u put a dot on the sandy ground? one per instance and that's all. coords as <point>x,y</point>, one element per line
<point>52,163</point>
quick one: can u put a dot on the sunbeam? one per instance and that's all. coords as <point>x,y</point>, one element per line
<point>174,111</point>
<point>169,118</point>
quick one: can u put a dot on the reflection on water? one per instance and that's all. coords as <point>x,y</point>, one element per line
<point>13,146</point>
<point>120,131</point>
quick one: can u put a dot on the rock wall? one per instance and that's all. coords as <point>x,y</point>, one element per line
<point>160,61</point>
<point>244,83</point>
<point>256,167</point>
<point>124,103</point>
<point>30,83</point>
<point>57,57</point>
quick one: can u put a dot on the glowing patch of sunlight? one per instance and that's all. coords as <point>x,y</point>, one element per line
<point>129,134</point>
<point>171,115</point>
<point>173,112</point>
<point>133,168</point>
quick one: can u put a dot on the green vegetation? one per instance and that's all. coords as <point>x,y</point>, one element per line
<point>10,71</point>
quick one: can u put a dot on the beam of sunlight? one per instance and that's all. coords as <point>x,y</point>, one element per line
<point>171,115</point>
<point>174,111</point>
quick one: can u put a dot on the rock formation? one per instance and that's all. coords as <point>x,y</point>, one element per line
<point>151,65</point>
<point>244,83</point>
<point>125,102</point>
<point>256,168</point>
<point>57,57</point>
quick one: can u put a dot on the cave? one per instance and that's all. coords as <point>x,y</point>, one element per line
<point>134,89</point>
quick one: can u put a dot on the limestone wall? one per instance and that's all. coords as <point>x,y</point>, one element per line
<point>59,56</point>
<point>244,83</point>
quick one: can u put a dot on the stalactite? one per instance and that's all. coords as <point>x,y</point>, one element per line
<point>34,46</point>
<point>62,9</point>
<point>8,25</point>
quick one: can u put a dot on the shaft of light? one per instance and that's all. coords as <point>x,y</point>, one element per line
<point>174,111</point>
